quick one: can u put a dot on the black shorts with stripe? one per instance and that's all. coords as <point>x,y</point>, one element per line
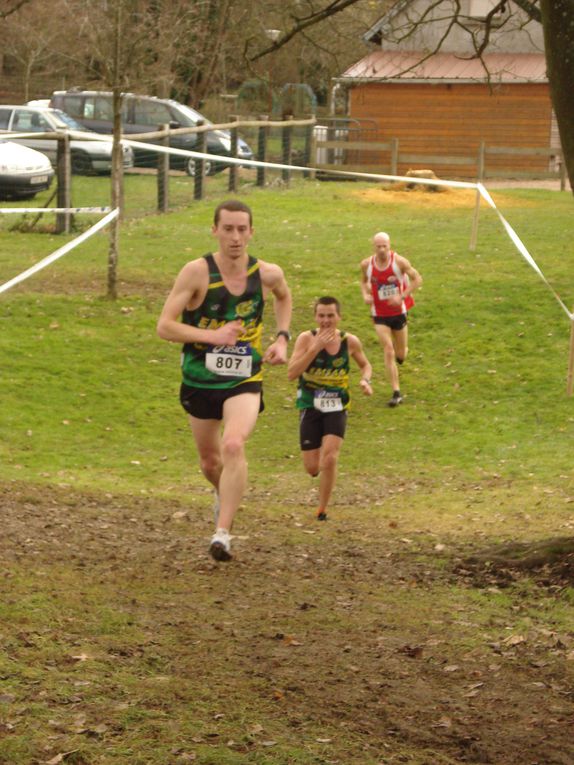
<point>313,425</point>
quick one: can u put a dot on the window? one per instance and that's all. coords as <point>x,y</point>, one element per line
<point>30,122</point>
<point>151,113</point>
<point>72,106</point>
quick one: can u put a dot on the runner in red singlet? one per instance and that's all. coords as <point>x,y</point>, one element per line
<point>387,282</point>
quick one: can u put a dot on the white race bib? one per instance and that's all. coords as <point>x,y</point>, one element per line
<point>385,291</point>
<point>327,401</point>
<point>230,360</point>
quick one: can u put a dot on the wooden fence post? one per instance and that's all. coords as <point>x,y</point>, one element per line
<point>394,156</point>
<point>307,150</point>
<point>261,151</point>
<point>287,143</point>
<point>480,177</point>
<point>63,172</point>
<point>199,165</point>
<point>233,169</point>
<point>163,175</point>
<point>313,151</point>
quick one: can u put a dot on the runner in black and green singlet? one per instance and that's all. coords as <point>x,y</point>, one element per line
<point>215,310</point>
<point>321,362</point>
<point>324,385</point>
<point>219,366</point>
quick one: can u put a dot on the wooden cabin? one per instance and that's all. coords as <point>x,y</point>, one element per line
<point>424,87</point>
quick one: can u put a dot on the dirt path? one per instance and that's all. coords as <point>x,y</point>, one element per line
<point>342,638</point>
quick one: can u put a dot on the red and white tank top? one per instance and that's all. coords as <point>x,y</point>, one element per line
<point>386,282</point>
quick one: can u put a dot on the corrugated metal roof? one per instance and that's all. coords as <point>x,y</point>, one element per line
<point>396,65</point>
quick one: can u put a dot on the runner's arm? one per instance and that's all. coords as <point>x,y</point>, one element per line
<point>365,286</point>
<point>303,354</point>
<point>170,327</point>
<point>274,279</point>
<point>415,278</point>
<point>358,355</point>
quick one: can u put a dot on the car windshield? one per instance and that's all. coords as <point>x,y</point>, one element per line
<point>64,120</point>
<point>192,115</point>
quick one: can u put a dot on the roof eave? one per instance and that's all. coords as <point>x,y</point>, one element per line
<point>434,81</point>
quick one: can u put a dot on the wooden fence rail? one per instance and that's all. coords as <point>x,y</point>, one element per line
<point>339,154</point>
<point>325,149</point>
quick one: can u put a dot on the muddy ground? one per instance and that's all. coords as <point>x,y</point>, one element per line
<point>343,639</point>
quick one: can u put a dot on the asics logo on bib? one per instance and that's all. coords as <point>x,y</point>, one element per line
<point>236,349</point>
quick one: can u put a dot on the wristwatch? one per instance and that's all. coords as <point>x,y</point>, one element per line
<point>284,333</point>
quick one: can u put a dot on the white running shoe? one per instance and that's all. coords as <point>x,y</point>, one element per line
<point>220,547</point>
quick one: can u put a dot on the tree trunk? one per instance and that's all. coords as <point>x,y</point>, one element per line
<point>558,24</point>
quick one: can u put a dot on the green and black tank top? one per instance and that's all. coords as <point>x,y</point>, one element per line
<point>324,385</point>
<point>224,366</point>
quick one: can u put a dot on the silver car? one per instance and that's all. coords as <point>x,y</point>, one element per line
<point>88,157</point>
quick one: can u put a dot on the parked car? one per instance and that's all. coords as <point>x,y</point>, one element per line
<point>23,171</point>
<point>145,114</point>
<point>88,157</point>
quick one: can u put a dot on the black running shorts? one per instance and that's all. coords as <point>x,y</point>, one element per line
<point>207,403</point>
<point>313,425</point>
<point>394,322</point>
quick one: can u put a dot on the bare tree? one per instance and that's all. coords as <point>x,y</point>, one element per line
<point>556,17</point>
<point>34,52</point>
<point>558,25</point>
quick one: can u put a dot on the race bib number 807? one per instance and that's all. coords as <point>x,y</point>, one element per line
<point>230,360</point>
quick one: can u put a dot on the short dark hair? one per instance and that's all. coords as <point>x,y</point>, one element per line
<point>232,205</point>
<point>328,300</point>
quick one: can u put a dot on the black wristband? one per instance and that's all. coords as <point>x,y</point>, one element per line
<point>284,333</point>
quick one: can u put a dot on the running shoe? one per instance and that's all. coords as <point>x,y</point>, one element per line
<point>220,546</point>
<point>321,515</point>
<point>396,399</point>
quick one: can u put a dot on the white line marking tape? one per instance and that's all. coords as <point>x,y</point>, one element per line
<point>521,247</point>
<point>100,210</point>
<point>61,251</point>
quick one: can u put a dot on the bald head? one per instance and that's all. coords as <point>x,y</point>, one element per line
<point>382,246</point>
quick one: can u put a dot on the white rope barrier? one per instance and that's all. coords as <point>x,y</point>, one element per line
<point>518,243</point>
<point>521,247</point>
<point>8,210</point>
<point>61,251</point>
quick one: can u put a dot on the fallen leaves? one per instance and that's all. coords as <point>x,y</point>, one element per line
<point>61,757</point>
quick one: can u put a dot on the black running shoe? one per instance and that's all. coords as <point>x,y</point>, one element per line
<point>321,516</point>
<point>396,399</point>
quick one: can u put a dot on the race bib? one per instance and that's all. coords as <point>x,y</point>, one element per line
<point>385,291</point>
<point>230,360</point>
<point>327,401</point>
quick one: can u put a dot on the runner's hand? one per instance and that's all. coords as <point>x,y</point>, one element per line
<point>228,333</point>
<point>276,353</point>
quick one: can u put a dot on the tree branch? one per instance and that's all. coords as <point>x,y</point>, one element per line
<point>531,8</point>
<point>303,23</point>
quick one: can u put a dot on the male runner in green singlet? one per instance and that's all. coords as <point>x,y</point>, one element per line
<point>215,309</point>
<point>321,362</point>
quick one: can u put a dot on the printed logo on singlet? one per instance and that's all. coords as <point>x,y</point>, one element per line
<point>245,308</point>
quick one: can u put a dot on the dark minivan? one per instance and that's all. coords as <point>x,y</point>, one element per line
<point>144,114</point>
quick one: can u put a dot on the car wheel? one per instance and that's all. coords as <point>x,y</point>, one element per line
<point>81,163</point>
<point>190,167</point>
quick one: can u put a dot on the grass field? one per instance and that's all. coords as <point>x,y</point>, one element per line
<point>368,640</point>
